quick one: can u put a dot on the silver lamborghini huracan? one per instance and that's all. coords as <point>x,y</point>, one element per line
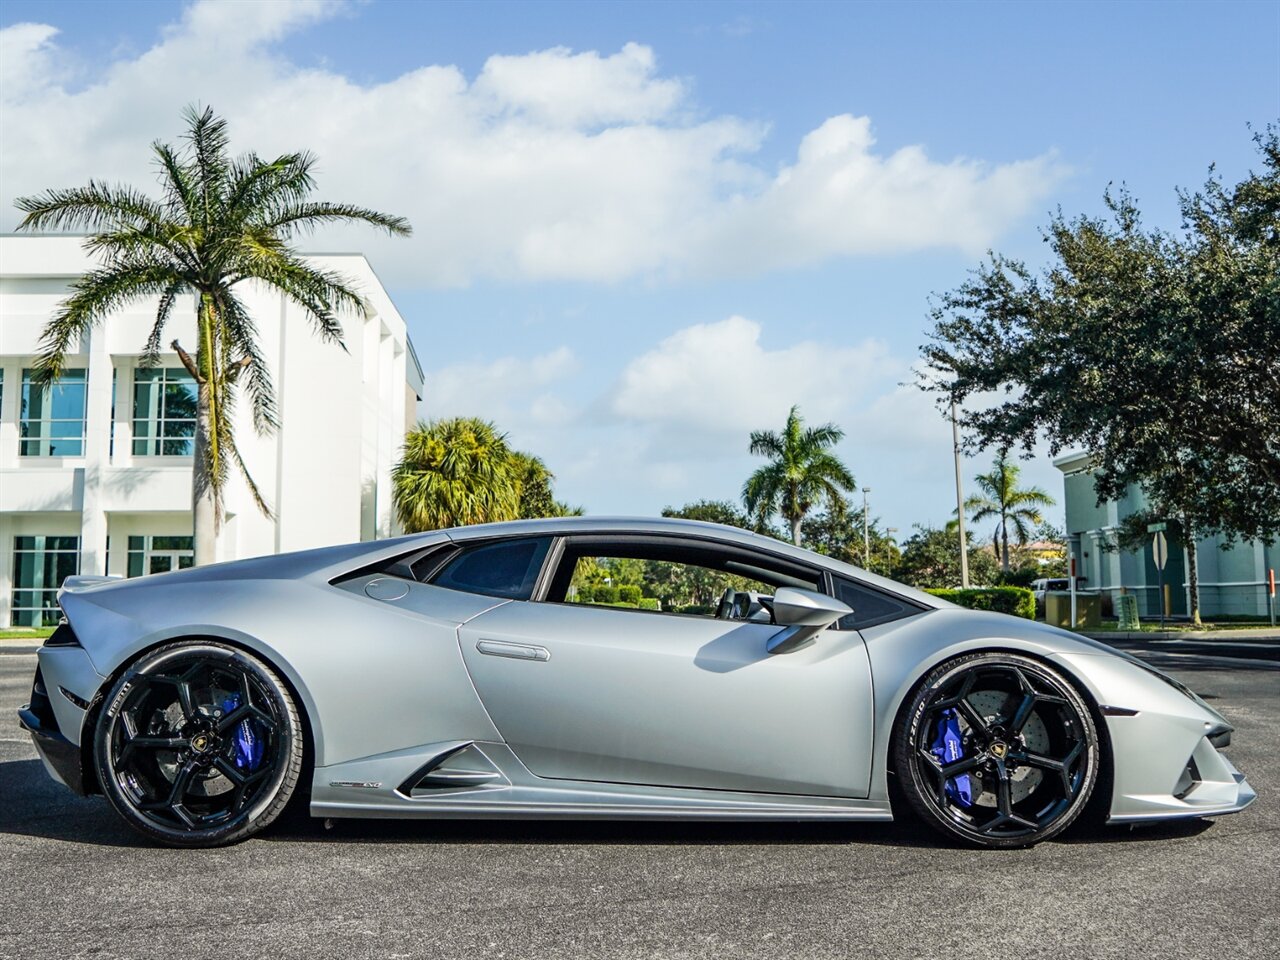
<point>499,671</point>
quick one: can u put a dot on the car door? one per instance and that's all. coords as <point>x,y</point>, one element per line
<point>608,694</point>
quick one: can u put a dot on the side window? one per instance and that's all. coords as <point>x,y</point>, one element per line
<point>673,575</point>
<point>507,569</point>
<point>668,586</point>
<point>870,607</point>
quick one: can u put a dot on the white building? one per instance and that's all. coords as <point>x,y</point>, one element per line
<point>95,472</point>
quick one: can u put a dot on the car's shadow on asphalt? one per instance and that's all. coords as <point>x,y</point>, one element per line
<point>33,805</point>
<point>902,834</point>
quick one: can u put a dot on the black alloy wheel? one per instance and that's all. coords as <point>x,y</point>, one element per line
<point>199,745</point>
<point>998,750</point>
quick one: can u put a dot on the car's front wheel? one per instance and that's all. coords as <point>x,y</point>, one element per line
<point>198,745</point>
<point>997,749</point>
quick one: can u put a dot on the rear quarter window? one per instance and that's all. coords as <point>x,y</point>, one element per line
<point>507,569</point>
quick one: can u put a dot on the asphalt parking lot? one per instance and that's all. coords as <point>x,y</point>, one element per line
<point>77,883</point>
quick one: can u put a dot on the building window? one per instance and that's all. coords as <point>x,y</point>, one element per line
<point>51,423</point>
<point>164,412</point>
<point>40,564</point>
<point>160,554</point>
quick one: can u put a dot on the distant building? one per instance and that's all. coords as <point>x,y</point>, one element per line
<point>1232,581</point>
<point>95,472</point>
<point>1043,552</point>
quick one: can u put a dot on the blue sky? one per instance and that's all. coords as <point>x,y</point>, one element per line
<point>645,229</point>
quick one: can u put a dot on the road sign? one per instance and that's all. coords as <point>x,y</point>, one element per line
<point>1157,527</point>
<point>1160,550</point>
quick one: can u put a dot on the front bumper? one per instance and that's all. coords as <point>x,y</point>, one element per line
<point>1165,744</point>
<point>1210,786</point>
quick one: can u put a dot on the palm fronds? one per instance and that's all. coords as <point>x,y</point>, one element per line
<point>801,474</point>
<point>220,221</point>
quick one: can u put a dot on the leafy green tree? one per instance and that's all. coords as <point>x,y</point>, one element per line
<point>840,536</point>
<point>801,474</point>
<point>453,473</point>
<point>1028,566</point>
<point>1157,352</point>
<point>710,511</point>
<point>537,495</point>
<point>221,221</point>
<point>1011,506</point>
<point>461,471</point>
<point>931,559</point>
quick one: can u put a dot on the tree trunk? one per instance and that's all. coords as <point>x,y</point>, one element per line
<point>205,466</point>
<point>1193,572</point>
<point>203,512</point>
<point>795,530</point>
<point>1004,548</point>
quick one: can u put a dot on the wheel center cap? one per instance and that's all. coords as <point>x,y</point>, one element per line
<point>998,749</point>
<point>200,742</point>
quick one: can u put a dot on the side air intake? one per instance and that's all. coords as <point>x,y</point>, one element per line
<point>463,767</point>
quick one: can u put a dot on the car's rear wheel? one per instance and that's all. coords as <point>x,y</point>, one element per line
<point>997,749</point>
<point>199,745</point>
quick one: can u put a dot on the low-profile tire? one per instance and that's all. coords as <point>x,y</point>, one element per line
<point>997,750</point>
<point>199,744</point>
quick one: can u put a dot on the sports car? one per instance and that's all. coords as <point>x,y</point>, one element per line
<point>506,670</point>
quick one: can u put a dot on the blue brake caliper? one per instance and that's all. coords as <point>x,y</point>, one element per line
<point>248,745</point>
<point>948,747</point>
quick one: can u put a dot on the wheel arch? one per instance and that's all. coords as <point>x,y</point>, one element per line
<point>312,735</point>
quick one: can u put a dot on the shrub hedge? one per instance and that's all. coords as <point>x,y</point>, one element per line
<point>1017,601</point>
<point>608,596</point>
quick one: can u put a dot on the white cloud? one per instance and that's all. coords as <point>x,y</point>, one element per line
<point>717,377</point>
<point>688,404</point>
<point>842,198</point>
<point>26,59</point>
<point>546,165</point>
<point>518,393</point>
<point>556,87</point>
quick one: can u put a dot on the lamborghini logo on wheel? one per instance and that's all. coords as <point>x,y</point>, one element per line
<point>998,750</point>
<point>199,742</point>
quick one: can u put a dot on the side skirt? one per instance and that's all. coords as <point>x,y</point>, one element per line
<point>415,784</point>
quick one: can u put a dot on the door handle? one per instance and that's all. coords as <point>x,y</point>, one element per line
<point>514,651</point>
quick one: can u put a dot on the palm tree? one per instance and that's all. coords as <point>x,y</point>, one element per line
<point>221,221</point>
<point>801,473</point>
<point>456,472</point>
<point>537,495</point>
<point>1012,507</point>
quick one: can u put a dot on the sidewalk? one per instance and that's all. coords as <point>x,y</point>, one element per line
<point>1258,649</point>
<point>1241,635</point>
<point>20,644</point>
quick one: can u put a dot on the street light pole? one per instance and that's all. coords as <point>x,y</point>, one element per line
<point>866,534</point>
<point>964,544</point>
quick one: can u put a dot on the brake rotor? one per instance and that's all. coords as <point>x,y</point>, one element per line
<point>990,704</point>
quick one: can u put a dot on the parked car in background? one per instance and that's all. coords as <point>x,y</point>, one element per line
<point>1044,585</point>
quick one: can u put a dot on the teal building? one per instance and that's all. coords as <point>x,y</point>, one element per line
<point>1233,581</point>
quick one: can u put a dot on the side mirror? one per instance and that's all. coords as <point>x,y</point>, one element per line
<point>804,614</point>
